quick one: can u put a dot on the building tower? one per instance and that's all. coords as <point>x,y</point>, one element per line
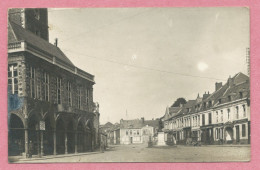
<point>32,19</point>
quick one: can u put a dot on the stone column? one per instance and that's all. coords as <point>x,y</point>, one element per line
<point>54,142</point>
<point>224,133</point>
<point>38,141</point>
<point>26,144</point>
<point>76,142</point>
<point>66,142</point>
<point>41,136</point>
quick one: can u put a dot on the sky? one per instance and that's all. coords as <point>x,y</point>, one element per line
<point>143,59</point>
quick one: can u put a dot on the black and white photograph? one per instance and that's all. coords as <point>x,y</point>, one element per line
<point>129,84</point>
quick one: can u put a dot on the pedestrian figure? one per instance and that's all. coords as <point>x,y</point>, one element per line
<point>30,149</point>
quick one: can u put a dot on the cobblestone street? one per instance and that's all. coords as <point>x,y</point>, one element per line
<point>140,153</point>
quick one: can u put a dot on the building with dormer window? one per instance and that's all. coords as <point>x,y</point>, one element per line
<point>220,117</point>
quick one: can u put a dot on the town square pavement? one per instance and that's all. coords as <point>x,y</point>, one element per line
<point>141,153</point>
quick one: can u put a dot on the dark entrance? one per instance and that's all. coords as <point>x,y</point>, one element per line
<point>71,138</point>
<point>48,137</point>
<point>237,134</point>
<point>15,136</point>
<point>80,137</point>
<point>60,137</point>
<point>34,133</point>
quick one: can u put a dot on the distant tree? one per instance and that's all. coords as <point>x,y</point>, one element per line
<point>179,101</point>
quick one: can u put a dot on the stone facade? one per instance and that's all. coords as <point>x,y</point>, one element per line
<point>50,101</point>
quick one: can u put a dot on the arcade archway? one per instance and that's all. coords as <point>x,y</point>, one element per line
<point>15,136</point>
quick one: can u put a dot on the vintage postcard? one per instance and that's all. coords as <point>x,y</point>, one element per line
<point>129,85</point>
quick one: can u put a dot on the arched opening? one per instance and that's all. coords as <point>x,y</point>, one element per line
<point>229,134</point>
<point>34,133</point>
<point>88,137</point>
<point>60,137</point>
<point>48,142</point>
<point>71,137</point>
<point>15,136</point>
<point>80,137</point>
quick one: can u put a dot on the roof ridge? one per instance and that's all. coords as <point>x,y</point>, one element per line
<point>31,33</point>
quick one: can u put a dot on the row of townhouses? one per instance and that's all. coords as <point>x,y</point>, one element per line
<point>222,117</point>
<point>50,100</point>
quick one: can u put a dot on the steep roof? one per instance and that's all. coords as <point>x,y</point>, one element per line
<point>136,123</point>
<point>18,33</point>
<point>153,123</point>
<point>107,125</point>
<point>233,87</point>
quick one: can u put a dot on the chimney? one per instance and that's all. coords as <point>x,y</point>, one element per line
<point>121,121</point>
<point>56,42</point>
<point>142,118</point>
<point>230,81</point>
<point>218,85</point>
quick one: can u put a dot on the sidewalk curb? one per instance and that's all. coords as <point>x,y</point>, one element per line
<point>53,157</point>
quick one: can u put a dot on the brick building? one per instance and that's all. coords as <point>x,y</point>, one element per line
<point>50,100</point>
<point>217,118</point>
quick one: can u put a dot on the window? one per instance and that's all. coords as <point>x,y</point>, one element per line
<point>126,132</point>
<point>203,120</point>
<point>240,95</point>
<point>229,98</point>
<point>32,82</point>
<point>137,132</point>
<point>237,112</point>
<point>220,133</point>
<point>130,132</point>
<point>217,116</point>
<point>228,112</point>
<point>210,103</point>
<point>87,97</point>
<point>46,84</point>
<point>69,93</point>
<point>244,110</point>
<point>12,79</point>
<point>209,118</point>
<point>221,115</point>
<point>58,90</point>
<point>204,105</point>
<point>79,97</point>
<point>219,101</point>
<point>216,133</point>
<point>243,130</point>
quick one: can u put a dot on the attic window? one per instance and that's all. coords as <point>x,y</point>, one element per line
<point>204,104</point>
<point>219,101</point>
<point>240,95</point>
<point>229,98</point>
<point>210,103</point>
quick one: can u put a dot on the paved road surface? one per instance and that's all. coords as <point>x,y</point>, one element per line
<point>140,153</point>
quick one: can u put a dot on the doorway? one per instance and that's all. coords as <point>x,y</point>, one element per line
<point>237,134</point>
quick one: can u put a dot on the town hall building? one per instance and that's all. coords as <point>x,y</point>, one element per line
<point>50,100</point>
